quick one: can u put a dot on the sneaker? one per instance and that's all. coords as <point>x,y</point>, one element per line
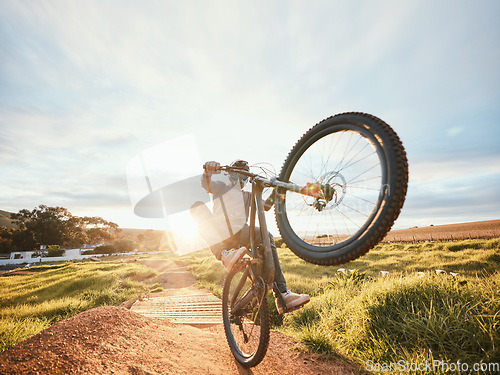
<point>292,301</point>
<point>230,257</point>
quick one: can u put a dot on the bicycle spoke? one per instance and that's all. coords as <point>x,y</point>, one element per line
<point>369,169</point>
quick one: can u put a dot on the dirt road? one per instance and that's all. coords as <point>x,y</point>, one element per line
<point>116,340</point>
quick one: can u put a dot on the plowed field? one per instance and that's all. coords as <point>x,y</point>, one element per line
<point>478,229</point>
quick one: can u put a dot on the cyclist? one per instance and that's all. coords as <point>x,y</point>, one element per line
<point>227,227</point>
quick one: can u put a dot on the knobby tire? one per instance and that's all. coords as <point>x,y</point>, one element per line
<point>394,167</point>
<point>247,360</point>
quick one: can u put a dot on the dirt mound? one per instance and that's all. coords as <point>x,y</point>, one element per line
<point>114,340</point>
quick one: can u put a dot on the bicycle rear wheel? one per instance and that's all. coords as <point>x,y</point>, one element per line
<point>245,314</point>
<point>361,166</point>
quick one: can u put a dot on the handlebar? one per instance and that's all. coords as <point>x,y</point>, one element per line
<point>228,168</point>
<point>312,190</point>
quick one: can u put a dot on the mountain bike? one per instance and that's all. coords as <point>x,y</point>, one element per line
<point>339,191</point>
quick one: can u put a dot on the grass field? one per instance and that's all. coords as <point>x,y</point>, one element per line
<point>49,293</point>
<point>412,313</point>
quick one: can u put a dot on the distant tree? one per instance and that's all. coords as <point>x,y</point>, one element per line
<point>157,240</point>
<point>152,239</point>
<point>55,251</point>
<point>23,239</point>
<point>99,230</point>
<point>52,251</point>
<point>45,225</point>
<point>125,245</point>
<point>5,239</point>
<point>105,249</point>
<point>141,239</point>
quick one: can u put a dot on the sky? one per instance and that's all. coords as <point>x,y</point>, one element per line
<point>86,87</point>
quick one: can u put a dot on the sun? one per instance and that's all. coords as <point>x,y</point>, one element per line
<point>185,234</point>
<point>183,225</point>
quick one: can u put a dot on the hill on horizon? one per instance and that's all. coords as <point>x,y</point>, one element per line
<point>5,220</point>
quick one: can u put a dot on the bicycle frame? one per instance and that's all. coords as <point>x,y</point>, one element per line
<point>257,212</point>
<point>257,209</point>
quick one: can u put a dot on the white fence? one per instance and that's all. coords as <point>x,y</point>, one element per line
<point>4,262</point>
<point>38,260</point>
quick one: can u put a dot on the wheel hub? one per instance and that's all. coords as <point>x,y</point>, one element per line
<point>333,190</point>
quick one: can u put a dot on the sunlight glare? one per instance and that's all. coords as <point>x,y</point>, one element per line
<point>185,233</point>
<point>183,225</point>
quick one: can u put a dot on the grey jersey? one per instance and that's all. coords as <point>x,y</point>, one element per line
<point>231,204</point>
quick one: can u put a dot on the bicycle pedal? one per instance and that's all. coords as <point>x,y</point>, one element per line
<point>240,265</point>
<point>294,308</point>
<point>255,261</point>
<point>286,310</point>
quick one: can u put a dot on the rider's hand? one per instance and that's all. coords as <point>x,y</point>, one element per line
<point>212,167</point>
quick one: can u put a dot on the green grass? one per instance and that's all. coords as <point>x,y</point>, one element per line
<point>51,293</point>
<point>403,316</point>
<point>466,257</point>
<point>208,270</point>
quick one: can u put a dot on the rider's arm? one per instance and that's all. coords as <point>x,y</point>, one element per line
<point>209,168</point>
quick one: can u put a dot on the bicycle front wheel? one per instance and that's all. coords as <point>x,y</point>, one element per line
<point>359,165</point>
<point>245,314</point>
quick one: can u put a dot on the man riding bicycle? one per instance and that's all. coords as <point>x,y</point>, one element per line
<point>226,229</point>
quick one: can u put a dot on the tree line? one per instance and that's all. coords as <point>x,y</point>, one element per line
<point>57,228</point>
<point>54,226</point>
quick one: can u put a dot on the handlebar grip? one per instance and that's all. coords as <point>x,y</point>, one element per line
<point>218,169</point>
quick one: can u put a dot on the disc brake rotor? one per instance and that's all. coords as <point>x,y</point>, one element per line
<point>333,190</point>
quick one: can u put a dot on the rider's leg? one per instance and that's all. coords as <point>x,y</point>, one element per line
<point>207,228</point>
<point>279,278</point>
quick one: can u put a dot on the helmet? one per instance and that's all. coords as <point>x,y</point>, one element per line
<point>235,176</point>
